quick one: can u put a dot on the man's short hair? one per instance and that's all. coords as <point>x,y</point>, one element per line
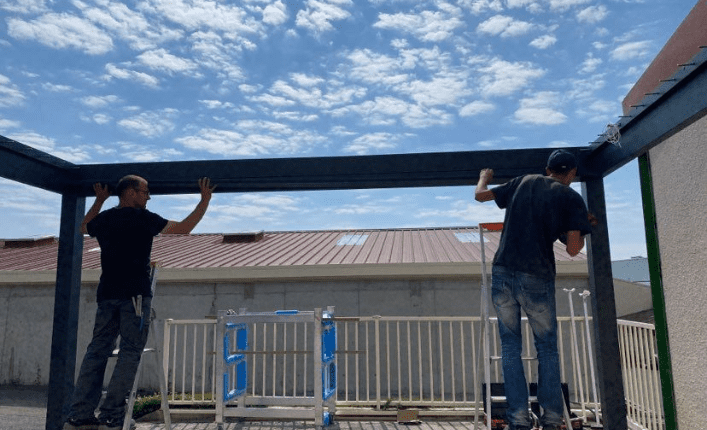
<point>561,161</point>
<point>127,182</point>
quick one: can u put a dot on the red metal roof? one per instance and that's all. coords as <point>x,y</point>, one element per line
<point>295,248</point>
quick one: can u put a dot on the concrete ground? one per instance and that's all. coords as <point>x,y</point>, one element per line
<point>25,408</point>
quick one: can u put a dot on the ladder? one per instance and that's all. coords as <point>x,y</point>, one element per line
<point>486,337</point>
<point>154,268</point>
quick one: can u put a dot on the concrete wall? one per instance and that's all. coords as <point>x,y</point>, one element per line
<point>680,188</point>
<point>26,311</point>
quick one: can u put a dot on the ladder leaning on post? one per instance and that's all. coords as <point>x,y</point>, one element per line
<point>485,324</point>
<point>154,268</point>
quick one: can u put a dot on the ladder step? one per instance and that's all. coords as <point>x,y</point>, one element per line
<point>498,357</point>
<point>499,399</point>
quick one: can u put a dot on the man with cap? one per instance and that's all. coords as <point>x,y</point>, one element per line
<point>539,211</point>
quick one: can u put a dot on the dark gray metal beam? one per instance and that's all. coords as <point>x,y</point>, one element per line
<point>29,166</point>
<point>62,367</point>
<point>601,285</point>
<point>678,102</point>
<point>326,173</point>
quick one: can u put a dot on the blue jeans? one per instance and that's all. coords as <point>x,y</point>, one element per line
<point>113,318</point>
<point>511,292</point>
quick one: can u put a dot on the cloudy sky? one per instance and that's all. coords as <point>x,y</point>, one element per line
<point>102,81</point>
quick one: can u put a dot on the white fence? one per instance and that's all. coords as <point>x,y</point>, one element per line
<point>386,362</point>
<point>639,362</point>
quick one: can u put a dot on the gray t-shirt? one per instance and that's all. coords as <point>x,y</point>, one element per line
<point>538,210</point>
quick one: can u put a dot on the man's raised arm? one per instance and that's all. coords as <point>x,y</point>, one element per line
<point>482,193</point>
<point>187,224</point>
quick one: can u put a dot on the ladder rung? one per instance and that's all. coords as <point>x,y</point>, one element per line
<point>498,399</point>
<point>498,357</point>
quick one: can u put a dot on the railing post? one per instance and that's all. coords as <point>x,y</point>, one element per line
<point>376,325</point>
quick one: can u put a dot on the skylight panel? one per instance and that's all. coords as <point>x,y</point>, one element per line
<point>352,239</point>
<point>468,237</point>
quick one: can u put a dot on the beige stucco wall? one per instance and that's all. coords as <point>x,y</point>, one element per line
<point>680,188</point>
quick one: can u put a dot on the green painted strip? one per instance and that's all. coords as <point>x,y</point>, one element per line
<point>661,320</point>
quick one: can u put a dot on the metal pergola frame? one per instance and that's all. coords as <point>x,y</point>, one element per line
<point>675,104</point>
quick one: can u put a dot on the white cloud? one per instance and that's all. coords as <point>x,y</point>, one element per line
<point>530,4</point>
<point>592,14</point>
<point>540,110</point>
<point>566,4</point>
<point>211,51</point>
<point>372,142</point>
<point>216,104</point>
<point>504,26</point>
<point>99,101</point>
<point>263,138</point>
<point>100,118</point>
<point>113,71</point>
<point>57,88</point>
<point>62,31</point>
<point>584,89</point>
<point>150,124</point>
<point>10,95</point>
<point>590,64</point>
<point>477,107</point>
<point>318,15</point>
<point>24,6</point>
<point>275,13</point>
<point>544,42</point>
<point>631,50</point>
<point>503,78</point>
<point>311,95</point>
<point>160,59</point>
<point>440,90</point>
<point>479,6</point>
<point>462,212</point>
<point>427,26</point>
<point>128,25</point>
<point>388,110</point>
<point>374,68</point>
<point>600,110</point>
<point>49,145</point>
<point>207,14</point>
<point>6,124</point>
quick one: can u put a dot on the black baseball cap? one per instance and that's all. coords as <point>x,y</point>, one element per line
<point>561,161</point>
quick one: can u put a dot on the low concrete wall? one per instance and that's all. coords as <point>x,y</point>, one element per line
<point>27,309</point>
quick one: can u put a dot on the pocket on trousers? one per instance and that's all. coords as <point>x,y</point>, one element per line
<point>538,293</point>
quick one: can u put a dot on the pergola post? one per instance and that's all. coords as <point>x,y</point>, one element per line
<point>66,310</point>
<point>601,285</point>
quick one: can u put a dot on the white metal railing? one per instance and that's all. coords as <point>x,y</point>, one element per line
<point>639,363</point>
<point>408,361</point>
<point>189,361</point>
<point>381,361</point>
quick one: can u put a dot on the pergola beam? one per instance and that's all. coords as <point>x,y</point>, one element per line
<point>24,164</point>
<point>675,104</point>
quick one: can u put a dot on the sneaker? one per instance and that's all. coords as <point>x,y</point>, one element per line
<point>116,425</point>
<point>81,424</point>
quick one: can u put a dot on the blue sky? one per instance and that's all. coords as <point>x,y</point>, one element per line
<point>102,81</point>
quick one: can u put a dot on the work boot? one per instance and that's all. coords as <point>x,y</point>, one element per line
<point>116,425</point>
<point>81,424</point>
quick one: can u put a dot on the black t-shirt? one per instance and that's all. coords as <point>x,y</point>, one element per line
<point>538,210</point>
<point>125,237</point>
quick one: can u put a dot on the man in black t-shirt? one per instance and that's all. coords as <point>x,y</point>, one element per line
<point>539,211</point>
<point>124,297</point>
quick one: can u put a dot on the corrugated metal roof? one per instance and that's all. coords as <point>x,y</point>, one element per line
<point>294,248</point>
